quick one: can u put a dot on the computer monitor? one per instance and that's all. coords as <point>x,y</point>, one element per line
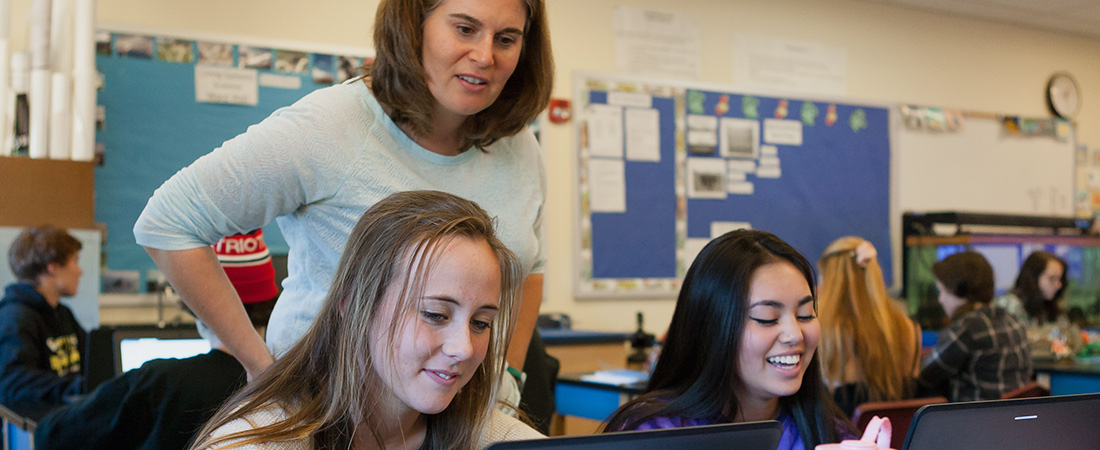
<point>111,351</point>
<point>1062,421</point>
<point>762,435</point>
<point>136,346</point>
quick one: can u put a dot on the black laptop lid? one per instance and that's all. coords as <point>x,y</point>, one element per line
<point>1056,422</point>
<point>738,436</point>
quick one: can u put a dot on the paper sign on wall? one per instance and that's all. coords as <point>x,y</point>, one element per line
<point>226,85</point>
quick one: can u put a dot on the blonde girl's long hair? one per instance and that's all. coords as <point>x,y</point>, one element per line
<point>326,382</point>
<point>859,320</point>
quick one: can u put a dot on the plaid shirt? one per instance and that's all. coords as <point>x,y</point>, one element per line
<point>981,355</point>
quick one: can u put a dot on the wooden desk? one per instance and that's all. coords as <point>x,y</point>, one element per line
<point>582,352</point>
<point>586,351</point>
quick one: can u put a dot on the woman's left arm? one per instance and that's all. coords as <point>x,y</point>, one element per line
<point>526,318</point>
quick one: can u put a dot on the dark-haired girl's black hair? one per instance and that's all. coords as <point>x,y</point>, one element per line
<point>692,378</point>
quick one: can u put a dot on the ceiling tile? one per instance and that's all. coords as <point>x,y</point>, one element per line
<point>1080,17</point>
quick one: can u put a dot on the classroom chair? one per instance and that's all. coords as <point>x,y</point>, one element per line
<point>1029,390</point>
<point>900,413</point>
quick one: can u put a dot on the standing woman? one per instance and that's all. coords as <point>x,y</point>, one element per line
<point>870,350</point>
<point>451,90</point>
<point>740,347</point>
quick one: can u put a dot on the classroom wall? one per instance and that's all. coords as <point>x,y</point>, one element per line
<point>894,55</point>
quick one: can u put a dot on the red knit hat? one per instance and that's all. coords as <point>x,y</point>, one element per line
<point>248,264</point>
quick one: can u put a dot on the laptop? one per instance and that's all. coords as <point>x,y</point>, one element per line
<point>1055,422</point>
<point>762,435</point>
<point>112,351</point>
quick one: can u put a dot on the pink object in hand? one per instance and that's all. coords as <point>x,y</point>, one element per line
<point>875,437</point>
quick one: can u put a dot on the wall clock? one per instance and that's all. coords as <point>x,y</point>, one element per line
<point>1063,95</point>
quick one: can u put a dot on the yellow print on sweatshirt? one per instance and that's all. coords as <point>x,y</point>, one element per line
<point>65,354</point>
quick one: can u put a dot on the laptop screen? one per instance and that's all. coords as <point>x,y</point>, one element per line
<point>1062,422</point>
<point>133,352</point>
<point>111,351</point>
<point>743,436</point>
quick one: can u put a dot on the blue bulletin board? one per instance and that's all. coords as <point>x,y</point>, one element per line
<point>809,171</point>
<point>151,125</point>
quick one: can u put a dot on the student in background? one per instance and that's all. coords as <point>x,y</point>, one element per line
<point>446,105</point>
<point>408,348</point>
<point>984,351</point>
<point>1036,301</point>
<point>870,349</point>
<point>1040,287</point>
<point>740,347</point>
<point>40,339</point>
<point>162,404</point>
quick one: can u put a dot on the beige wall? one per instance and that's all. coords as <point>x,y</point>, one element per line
<point>894,55</point>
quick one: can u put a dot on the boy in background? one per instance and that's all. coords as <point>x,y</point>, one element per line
<point>162,404</point>
<point>40,339</point>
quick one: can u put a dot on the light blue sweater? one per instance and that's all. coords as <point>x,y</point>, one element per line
<point>315,167</point>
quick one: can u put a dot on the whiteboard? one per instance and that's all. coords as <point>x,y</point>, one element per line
<point>981,169</point>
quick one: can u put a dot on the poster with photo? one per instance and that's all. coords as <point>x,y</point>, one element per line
<point>706,178</point>
<point>215,53</point>
<point>103,42</point>
<point>134,46</point>
<point>322,71</point>
<point>255,57</point>
<point>174,50</point>
<point>291,62</point>
<point>349,67</point>
<point>739,138</point>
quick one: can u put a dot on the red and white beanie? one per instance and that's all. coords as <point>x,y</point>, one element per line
<point>248,264</point>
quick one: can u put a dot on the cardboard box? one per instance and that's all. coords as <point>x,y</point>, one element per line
<point>39,191</point>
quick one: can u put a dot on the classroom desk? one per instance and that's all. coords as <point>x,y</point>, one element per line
<point>19,422</point>
<point>574,396</point>
<point>581,351</point>
<point>1069,376</point>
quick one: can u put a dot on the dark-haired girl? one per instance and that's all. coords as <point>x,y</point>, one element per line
<point>740,347</point>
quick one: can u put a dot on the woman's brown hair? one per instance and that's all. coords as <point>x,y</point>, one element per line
<point>397,78</point>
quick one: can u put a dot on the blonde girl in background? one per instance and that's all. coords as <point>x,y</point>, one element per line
<point>870,349</point>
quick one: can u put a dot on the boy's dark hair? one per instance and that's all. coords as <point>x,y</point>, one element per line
<point>35,248</point>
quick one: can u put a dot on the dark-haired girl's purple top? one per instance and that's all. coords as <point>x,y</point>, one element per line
<point>790,440</point>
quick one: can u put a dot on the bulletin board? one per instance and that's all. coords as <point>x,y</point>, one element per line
<point>151,125</point>
<point>664,167</point>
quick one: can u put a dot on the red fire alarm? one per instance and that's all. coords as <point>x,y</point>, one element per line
<point>560,111</point>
